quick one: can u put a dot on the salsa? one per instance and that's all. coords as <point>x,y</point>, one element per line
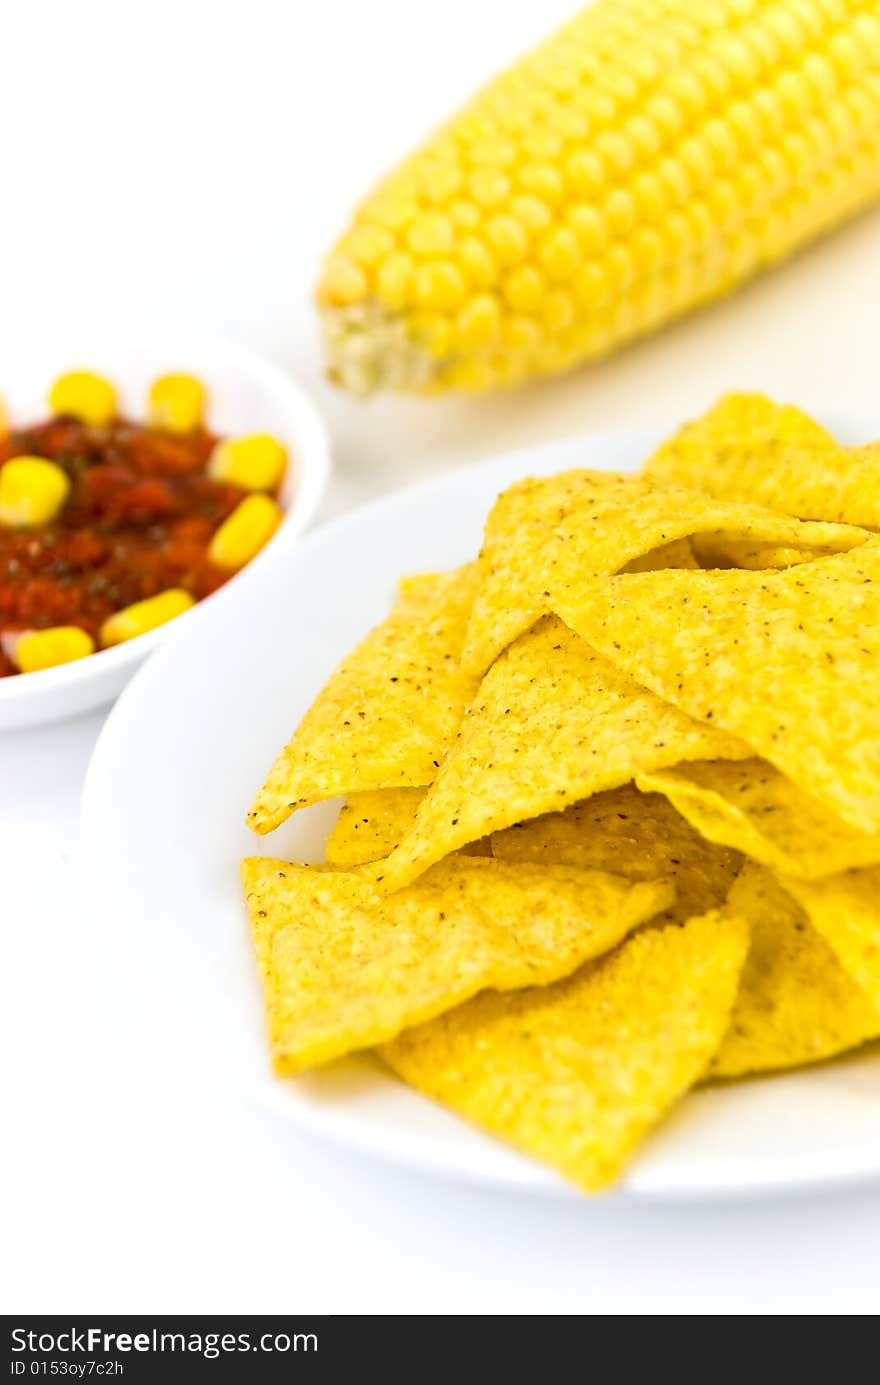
<point>138,520</point>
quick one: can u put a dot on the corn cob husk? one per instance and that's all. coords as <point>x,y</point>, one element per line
<point>647,158</point>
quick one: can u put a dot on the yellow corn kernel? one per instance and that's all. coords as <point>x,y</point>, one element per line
<point>4,420</point>
<point>83,395</point>
<point>256,462</point>
<point>143,616</point>
<point>62,644</point>
<point>241,536</point>
<point>32,492</point>
<point>648,157</point>
<point>176,403</point>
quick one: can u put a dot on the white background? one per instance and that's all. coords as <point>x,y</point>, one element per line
<point>193,161</point>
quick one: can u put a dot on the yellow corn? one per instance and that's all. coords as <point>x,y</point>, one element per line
<point>176,403</point>
<point>4,420</point>
<point>32,491</point>
<point>137,619</point>
<point>34,650</point>
<point>241,536</point>
<point>85,396</point>
<point>648,157</point>
<point>256,462</point>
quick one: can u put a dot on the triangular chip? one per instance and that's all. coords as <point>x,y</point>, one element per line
<point>789,661</point>
<point>544,537</point>
<point>636,835</point>
<point>749,805</point>
<point>845,909</point>
<point>748,448</point>
<point>553,722</point>
<point>371,824</point>
<point>344,968</point>
<point>725,550</point>
<point>578,1073</point>
<point>388,713</point>
<point>796,1004</point>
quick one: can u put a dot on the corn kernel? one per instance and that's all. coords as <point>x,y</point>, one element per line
<point>34,650</point>
<point>32,492</point>
<point>431,234</point>
<point>489,187</point>
<point>560,254</point>
<point>477,324</point>
<point>523,288</point>
<point>342,282</point>
<point>4,420</point>
<point>85,396</point>
<point>439,285</point>
<point>476,262</point>
<point>395,280</point>
<point>144,616</point>
<point>177,403</point>
<point>256,462</point>
<point>368,245</point>
<point>507,239</point>
<point>244,533</point>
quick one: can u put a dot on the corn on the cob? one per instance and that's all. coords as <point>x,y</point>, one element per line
<point>648,157</point>
<point>32,491</point>
<point>144,616</point>
<point>83,395</point>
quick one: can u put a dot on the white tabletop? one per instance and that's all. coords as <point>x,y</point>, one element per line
<point>193,160</point>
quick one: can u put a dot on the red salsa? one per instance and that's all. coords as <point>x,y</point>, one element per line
<point>139,518</point>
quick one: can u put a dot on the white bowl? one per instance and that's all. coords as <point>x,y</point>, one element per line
<point>246,394</point>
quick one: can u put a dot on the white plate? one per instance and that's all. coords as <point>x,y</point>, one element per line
<point>246,395</point>
<point>174,773</point>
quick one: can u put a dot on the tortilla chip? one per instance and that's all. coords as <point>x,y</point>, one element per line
<point>387,715</point>
<point>789,661</point>
<point>679,553</point>
<point>845,910</point>
<point>553,723</point>
<point>748,448</point>
<point>578,1073</point>
<point>344,968</point>
<point>796,1004</point>
<point>544,537</point>
<point>725,550</point>
<point>636,835</point>
<point>370,825</point>
<point>749,805</point>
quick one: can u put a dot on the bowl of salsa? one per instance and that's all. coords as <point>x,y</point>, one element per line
<point>137,480</point>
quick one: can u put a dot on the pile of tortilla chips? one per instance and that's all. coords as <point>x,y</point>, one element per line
<point>611,817</point>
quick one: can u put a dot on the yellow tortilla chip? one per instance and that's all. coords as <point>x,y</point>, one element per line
<point>578,1073</point>
<point>553,722</point>
<point>544,537</point>
<point>679,553</point>
<point>371,824</point>
<point>636,835</point>
<point>748,448</point>
<point>344,968</point>
<point>789,661</point>
<point>845,910</point>
<point>725,550</point>
<point>388,713</point>
<point>749,805</point>
<point>796,1004</point>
